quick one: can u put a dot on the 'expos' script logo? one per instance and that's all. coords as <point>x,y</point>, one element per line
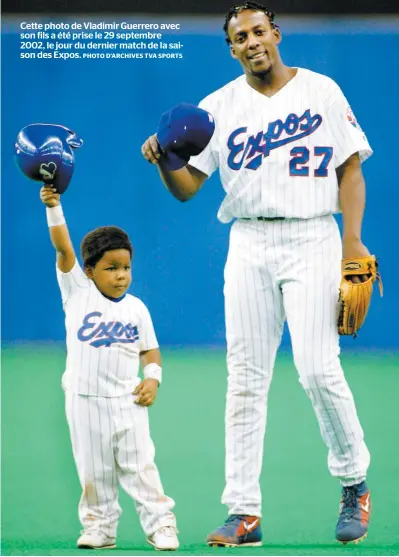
<point>295,127</point>
<point>105,334</point>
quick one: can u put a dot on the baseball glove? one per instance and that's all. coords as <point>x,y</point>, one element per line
<point>354,298</point>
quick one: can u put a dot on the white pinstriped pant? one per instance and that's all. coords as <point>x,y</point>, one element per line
<point>112,445</point>
<point>276,270</point>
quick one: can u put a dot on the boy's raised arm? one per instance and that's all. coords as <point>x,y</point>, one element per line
<point>59,233</point>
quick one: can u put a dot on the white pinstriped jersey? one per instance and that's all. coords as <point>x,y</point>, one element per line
<point>277,155</point>
<point>104,337</point>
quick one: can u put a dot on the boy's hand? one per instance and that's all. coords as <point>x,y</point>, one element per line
<point>146,392</point>
<point>49,196</point>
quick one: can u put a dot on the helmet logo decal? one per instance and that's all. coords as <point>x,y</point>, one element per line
<point>48,170</point>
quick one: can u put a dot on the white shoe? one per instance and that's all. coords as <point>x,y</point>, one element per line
<point>95,540</point>
<point>164,539</point>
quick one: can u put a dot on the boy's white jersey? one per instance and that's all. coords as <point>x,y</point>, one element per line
<point>104,337</point>
<point>277,155</point>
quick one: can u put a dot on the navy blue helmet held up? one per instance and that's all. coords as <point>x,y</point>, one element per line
<point>184,131</point>
<point>44,153</point>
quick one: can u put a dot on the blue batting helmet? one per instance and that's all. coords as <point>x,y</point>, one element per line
<point>43,152</point>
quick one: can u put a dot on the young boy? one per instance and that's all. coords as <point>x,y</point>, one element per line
<point>109,333</point>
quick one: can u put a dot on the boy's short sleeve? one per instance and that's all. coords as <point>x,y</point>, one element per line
<point>148,339</point>
<point>71,282</point>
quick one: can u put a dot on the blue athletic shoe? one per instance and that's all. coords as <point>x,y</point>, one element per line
<point>354,515</point>
<point>238,530</point>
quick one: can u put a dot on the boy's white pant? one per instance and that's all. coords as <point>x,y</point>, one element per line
<point>112,445</point>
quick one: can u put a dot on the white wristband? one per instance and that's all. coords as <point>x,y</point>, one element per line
<point>153,371</point>
<point>55,216</point>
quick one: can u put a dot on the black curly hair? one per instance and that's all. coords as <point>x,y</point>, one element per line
<point>102,239</point>
<point>255,7</point>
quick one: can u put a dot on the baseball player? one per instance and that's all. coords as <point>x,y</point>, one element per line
<point>109,334</point>
<point>289,152</point>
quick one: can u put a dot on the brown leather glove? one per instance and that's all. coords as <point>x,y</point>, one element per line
<point>354,298</point>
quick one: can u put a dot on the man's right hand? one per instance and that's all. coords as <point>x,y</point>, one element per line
<point>182,183</point>
<point>49,196</point>
<point>151,150</point>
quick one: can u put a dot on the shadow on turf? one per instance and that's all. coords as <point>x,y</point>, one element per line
<point>203,549</point>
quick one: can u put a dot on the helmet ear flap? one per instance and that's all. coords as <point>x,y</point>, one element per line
<point>74,141</point>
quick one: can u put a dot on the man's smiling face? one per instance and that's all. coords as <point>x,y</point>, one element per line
<point>254,42</point>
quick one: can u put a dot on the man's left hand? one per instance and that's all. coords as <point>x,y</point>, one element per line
<point>354,249</point>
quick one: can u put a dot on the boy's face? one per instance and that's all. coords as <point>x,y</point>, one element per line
<point>112,274</point>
